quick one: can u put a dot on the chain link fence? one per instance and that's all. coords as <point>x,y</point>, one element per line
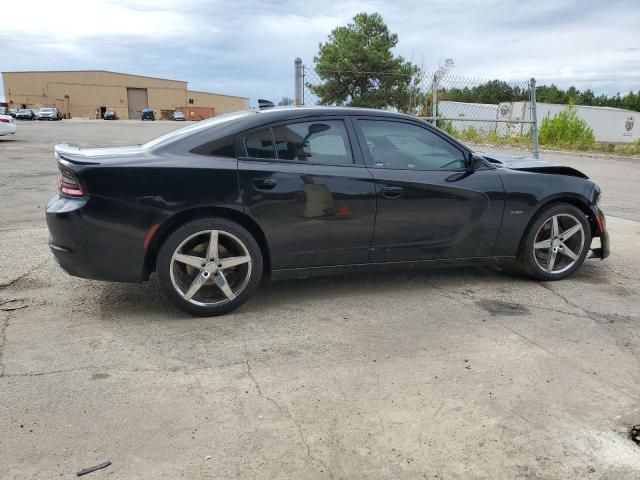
<point>489,115</point>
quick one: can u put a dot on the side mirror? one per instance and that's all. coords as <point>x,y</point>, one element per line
<point>316,128</point>
<point>475,162</point>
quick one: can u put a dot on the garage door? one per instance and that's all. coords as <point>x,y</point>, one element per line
<point>137,99</point>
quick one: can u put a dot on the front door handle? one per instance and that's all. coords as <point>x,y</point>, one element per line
<point>264,183</point>
<point>391,192</point>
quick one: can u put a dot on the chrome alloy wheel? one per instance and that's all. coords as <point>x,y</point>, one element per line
<point>211,267</point>
<point>559,243</point>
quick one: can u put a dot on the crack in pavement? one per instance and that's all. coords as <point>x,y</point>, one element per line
<point>589,314</point>
<point>450,291</point>
<point>113,368</point>
<point>21,276</point>
<point>614,386</point>
<point>3,341</point>
<point>586,314</point>
<point>285,413</point>
<point>51,372</point>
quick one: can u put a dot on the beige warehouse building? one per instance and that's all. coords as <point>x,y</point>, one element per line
<point>88,93</point>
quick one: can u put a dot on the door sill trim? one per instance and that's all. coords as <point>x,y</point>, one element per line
<point>304,272</point>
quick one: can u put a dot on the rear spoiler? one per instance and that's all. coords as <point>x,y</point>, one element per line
<point>72,154</point>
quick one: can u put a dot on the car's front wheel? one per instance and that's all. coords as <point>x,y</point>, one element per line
<point>556,243</point>
<point>209,266</point>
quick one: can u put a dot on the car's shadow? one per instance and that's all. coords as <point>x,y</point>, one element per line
<point>120,299</point>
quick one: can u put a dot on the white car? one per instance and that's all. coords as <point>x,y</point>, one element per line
<point>7,125</point>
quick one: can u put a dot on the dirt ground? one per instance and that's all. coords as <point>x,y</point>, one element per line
<point>455,374</point>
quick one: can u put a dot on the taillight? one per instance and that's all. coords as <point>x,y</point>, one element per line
<point>6,120</point>
<point>69,185</point>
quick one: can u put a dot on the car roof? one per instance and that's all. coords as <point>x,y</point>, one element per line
<point>278,114</point>
<point>307,110</point>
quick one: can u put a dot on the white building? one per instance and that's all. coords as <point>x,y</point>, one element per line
<point>609,125</point>
<point>481,116</point>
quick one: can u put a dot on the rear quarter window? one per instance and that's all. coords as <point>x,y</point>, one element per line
<point>222,147</point>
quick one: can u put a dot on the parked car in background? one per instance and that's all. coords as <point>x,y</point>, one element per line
<point>110,115</point>
<point>49,113</point>
<point>295,192</point>
<point>7,125</point>
<point>148,114</point>
<point>178,116</point>
<point>13,112</point>
<point>26,114</point>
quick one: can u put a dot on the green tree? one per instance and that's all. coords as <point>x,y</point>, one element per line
<point>357,67</point>
<point>493,91</point>
<point>566,130</point>
<point>286,101</point>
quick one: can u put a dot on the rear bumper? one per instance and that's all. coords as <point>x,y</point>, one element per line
<point>87,245</point>
<point>8,128</point>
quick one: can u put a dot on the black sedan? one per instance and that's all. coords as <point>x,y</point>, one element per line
<point>292,192</point>
<point>25,114</point>
<point>148,114</point>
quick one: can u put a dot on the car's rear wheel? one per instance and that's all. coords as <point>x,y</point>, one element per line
<point>556,243</point>
<point>209,266</point>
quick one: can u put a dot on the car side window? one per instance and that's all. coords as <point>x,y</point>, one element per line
<point>408,146</point>
<point>322,141</point>
<point>260,144</point>
<point>221,147</point>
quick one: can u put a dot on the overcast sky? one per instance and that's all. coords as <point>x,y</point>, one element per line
<point>247,47</point>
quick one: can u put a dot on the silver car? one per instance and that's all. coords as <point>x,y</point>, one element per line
<point>48,113</point>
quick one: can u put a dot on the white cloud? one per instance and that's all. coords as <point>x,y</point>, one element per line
<point>247,47</point>
<point>78,19</point>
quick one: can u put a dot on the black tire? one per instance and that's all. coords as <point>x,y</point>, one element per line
<point>229,232</point>
<point>528,260</point>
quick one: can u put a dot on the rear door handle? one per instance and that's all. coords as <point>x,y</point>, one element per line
<point>264,183</point>
<point>391,192</point>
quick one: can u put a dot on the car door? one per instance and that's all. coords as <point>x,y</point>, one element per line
<point>309,191</point>
<point>428,205</point>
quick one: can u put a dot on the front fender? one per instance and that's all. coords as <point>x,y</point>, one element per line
<point>527,193</point>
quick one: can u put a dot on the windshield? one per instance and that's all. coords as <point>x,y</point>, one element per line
<point>22,110</point>
<point>211,122</point>
<point>46,110</point>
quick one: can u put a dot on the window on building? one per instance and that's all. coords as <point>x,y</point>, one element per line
<point>191,101</point>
